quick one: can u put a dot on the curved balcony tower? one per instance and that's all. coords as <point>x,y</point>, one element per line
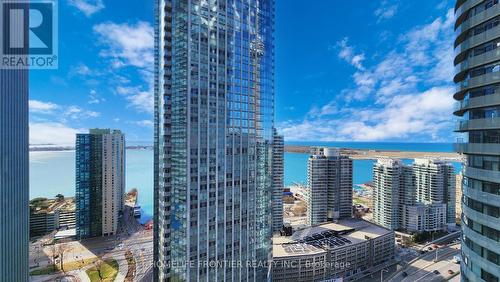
<point>477,77</point>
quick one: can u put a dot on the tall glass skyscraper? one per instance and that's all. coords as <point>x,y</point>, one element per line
<point>278,180</point>
<point>214,114</point>
<point>14,161</point>
<point>100,182</point>
<point>14,166</point>
<point>477,65</point>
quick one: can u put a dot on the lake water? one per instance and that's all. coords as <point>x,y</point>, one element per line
<point>52,173</point>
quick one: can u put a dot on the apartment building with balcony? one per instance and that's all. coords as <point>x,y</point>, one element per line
<point>477,78</point>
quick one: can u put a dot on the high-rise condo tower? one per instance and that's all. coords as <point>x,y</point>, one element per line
<point>214,118</point>
<point>329,185</point>
<point>100,182</point>
<point>477,78</point>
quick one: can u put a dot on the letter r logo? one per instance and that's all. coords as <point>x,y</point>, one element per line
<point>27,27</point>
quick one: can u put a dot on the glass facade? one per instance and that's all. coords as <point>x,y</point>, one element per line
<point>88,195</point>
<point>477,75</point>
<point>14,176</point>
<point>214,114</point>
<point>100,182</point>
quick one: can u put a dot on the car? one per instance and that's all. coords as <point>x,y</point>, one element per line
<point>436,271</point>
<point>450,271</point>
<point>457,259</point>
<point>404,274</point>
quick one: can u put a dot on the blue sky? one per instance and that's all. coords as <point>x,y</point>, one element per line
<point>345,70</point>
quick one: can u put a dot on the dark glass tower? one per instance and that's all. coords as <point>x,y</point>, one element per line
<point>214,114</point>
<point>477,75</point>
<point>14,163</point>
<point>100,182</point>
<point>88,193</point>
<point>278,178</point>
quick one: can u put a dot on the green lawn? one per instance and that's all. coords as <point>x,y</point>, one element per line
<point>67,267</point>
<point>360,201</point>
<point>44,271</point>
<point>109,270</point>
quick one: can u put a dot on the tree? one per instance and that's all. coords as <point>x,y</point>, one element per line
<point>60,197</point>
<point>99,267</point>
<point>52,250</point>
<point>61,250</point>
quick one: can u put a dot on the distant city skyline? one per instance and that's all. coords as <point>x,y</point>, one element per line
<point>345,87</point>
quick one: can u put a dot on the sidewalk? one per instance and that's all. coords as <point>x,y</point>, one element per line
<point>122,267</point>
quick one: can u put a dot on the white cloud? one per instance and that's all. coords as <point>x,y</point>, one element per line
<point>325,110</point>
<point>59,112</point>
<point>94,97</point>
<point>406,95</point>
<point>87,7</point>
<point>127,45</point>
<point>144,123</point>
<point>36,106</point>
<point>385,11</point>
<point>52,133</point>
<point>424,115</point>
<point>130,45</point>
<point>80,69</point>
<point>140,100</point>
<point>347,53</point>
<point>75,112</point>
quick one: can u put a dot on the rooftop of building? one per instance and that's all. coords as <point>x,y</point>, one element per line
<point>328,236</point>
<point>326,152</point>
<point>44,205</point>
<point>101,131</point>
<point>392,162</point>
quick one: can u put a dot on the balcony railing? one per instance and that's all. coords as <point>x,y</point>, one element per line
<point>482,174</point>
<point>477,148</point>
<point>472,62</point>
<point>475,41</point>
<point>478,124</point>
<point>469,22</point>
<point>477,102</point>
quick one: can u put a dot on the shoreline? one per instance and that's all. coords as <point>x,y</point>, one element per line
<point>72,149</point>
<point>372,154</point>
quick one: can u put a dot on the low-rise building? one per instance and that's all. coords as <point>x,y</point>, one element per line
<point>48,215</point>
<point>428,218</point>
<point>345,249</point>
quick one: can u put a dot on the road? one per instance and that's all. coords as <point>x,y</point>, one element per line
<point>132,236</point>
<point>422,268</point>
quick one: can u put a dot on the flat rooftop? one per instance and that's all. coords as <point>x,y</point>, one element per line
<point>43,205</point>
<point>328,236</point>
